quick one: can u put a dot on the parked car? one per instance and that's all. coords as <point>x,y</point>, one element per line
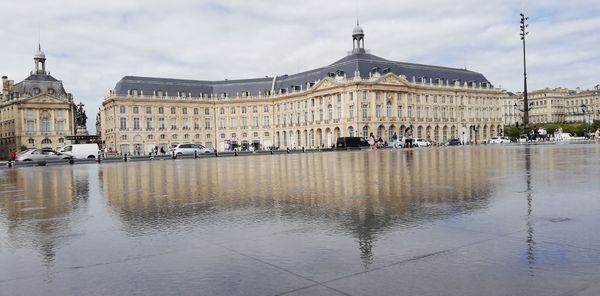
<point>188,149</point>
<point>418,142</point>
<point>39,155</point>
<point>453,142</point>
<point>351,142</point>
<point>499,140</point>
<point>80,151</point>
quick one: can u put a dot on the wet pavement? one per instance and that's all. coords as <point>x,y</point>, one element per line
<point>495,220</point>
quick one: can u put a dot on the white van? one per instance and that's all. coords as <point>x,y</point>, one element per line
<point>80,151</point>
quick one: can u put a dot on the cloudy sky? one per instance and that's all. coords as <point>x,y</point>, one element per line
<point>90,45</point>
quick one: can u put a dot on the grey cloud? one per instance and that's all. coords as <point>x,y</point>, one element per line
<point>92,44</point>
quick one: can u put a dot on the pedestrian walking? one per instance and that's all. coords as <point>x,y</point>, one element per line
<point>394,140</point>
<point>371,142</point>
<point>13,155</point>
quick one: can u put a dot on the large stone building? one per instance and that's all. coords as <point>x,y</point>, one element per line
<point>554,105</point>
<point>357,95</point>
<point>36,112</point>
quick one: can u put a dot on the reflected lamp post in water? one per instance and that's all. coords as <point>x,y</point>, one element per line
<point>525,100</point>
<point>529,194</point>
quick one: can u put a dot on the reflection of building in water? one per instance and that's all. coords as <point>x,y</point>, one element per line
<point>41,193</point>
<point>34,202</point>
<point>362,192</point>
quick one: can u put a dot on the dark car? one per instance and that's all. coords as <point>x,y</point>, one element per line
<point>351,142</point>
<point>453,142</point>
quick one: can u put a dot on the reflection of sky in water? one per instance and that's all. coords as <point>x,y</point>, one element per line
<point>320,214</point>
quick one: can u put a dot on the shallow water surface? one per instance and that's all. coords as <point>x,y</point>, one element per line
<point>495,220</point>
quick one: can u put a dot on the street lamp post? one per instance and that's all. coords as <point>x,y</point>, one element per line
<point>584,109</point>
<point>525,103</point>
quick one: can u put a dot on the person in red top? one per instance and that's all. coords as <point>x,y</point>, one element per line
<point>13,154</point>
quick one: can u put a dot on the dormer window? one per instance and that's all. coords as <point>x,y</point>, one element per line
<point>51,91</point>
<point>133,92</point>
<point>159,93</point>
<point>37,91</point>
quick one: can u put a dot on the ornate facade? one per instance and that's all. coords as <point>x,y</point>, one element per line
<point>555,105</point>
<point>355,96</point>
<point>36,112</point>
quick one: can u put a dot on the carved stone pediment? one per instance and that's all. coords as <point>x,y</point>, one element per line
<point>393,79</point>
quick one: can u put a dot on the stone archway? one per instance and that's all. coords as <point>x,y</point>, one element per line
<point>319,139</point>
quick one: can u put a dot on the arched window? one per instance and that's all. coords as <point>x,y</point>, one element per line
<point>46,141</point>
<point>150,137</point>
<point>174,137</point>
<point>31,141</point>
<point>162,137</point>
<point>329,112</point>
<point>365,131</point>
<point>351,131</point>
<point>61,140</point>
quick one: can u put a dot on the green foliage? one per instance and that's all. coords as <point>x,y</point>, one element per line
<point>512,131</point>
<point>577,129</point>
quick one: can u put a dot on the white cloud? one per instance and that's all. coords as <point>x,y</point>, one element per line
<point>90,45</point>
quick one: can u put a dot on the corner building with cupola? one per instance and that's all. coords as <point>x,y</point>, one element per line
<point>357,95</point>
<point>36,112</point>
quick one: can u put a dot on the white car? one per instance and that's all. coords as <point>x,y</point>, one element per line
<point>499,140</point>
<point>418,142</point>
<point>188,149</point>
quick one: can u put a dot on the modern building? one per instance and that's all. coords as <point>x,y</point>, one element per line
<point>357,95</point>
<point>36,112</point>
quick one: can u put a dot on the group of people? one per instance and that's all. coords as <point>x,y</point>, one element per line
<point>405,142</point>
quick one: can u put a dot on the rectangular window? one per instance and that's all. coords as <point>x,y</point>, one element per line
<point>207,122</point>
<point>377,111</point>
<point>60,126</point>
<point>195,111</point>
<point>365,111</point>
<point>161,123</point>
<point>148,110</point>
<point>207,111</point>
<point>399,111</point>
<point>184,110</point>
<point>255,121</point>
<point>123,123</point>
<point>409,112</point>
<point>161,110</point>
<point>173,123</point>
<point>148,122</point>
<point>173,110</point>
<point>136,123</point>
<point>136,110</point>
<point>29,126</point>
<point>222,122</point>
<point>266,108</point>
<point>351,111</point>
<point>266,121</point>
<point>122,109</point>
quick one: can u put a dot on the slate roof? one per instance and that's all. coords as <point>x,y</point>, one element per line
<point>42,81</point>
<point>364,62</point>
